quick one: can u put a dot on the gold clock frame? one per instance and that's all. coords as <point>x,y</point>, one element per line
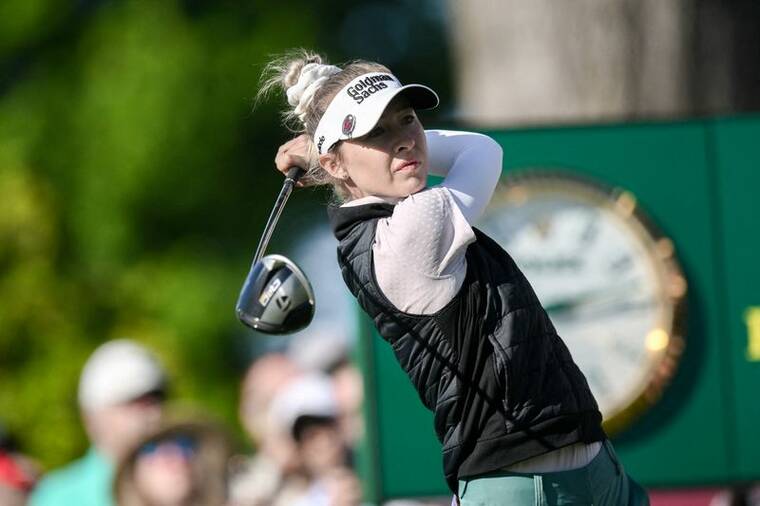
<point>666,341</point>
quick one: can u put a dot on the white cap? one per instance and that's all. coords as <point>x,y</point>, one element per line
<point>117,372</point>
<point>319,349</point>
<point>310,395</point>
<point>357,107</point>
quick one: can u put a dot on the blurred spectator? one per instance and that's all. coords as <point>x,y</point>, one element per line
<point>263,380</point>
<point>308,409</point>
<point>318,350</point>
<point>17,473</point>
<point>349,394</point>
<point>183,464</point>
<point>747,494</point>
<point>121,393</point>
<point>329,353</point>
<point>15,481</point>
<point>271,475</point>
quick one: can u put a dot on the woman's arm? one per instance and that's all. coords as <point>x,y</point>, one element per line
<point>471,165</point>
<point>419,252</point>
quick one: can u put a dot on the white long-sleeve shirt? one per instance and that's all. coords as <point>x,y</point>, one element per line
<point>419,251</point>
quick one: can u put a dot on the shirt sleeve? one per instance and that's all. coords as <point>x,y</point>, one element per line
<point>419,252</point>
<point>471,164</point>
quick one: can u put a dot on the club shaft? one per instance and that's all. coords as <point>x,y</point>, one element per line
<point>294,173</point>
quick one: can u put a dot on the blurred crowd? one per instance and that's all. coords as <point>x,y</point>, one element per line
<point>300,408</point>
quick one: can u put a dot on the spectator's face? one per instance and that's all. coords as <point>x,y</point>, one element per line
<point>349,395</point>
<point>321,448</point>
<point>264,379</point>
<point>262,382</point>
<point>164,471</point>
<point>116,429</point>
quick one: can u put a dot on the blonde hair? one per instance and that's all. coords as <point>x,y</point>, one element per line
<point>306,109</point>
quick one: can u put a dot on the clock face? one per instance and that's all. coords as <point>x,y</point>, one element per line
<point>609,283</point>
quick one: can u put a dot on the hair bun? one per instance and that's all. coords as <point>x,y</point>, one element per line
<point>293,63</point>
<point>310,79</point>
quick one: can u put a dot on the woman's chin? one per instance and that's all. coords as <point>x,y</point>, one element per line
<point>418,185</point>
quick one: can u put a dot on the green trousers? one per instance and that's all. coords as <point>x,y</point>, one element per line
<point>602,482</point>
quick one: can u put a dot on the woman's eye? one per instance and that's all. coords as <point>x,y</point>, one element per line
<point>409,118</point>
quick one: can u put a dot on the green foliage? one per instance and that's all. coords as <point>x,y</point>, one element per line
<point>132,172</point>
<point>24,23</point>
<point>128,157</point>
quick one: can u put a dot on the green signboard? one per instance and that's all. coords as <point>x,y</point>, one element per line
<point>696,182</point>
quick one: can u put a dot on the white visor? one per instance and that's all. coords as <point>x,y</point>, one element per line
<point>357,107</point>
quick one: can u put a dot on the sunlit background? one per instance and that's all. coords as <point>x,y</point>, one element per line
<point>136,174</point>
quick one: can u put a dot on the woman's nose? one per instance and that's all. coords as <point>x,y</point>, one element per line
<point>405,143</point>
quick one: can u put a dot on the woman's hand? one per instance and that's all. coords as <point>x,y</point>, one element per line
<point>294,153</point>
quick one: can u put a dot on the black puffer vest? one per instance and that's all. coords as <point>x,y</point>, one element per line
<point>500,381</point>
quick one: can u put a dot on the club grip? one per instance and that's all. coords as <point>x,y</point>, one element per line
<point>295,173</point>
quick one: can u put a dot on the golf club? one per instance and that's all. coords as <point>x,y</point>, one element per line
<point>276,297</point>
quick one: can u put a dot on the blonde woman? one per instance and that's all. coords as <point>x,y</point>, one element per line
<point>514,414</point>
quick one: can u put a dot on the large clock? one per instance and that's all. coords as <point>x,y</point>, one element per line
<point>607,277</point>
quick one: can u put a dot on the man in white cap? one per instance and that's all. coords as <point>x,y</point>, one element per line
<point>261,478</point>
<point>308,409</point>
<point>121,393</point>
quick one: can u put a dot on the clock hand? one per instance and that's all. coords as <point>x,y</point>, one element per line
<point>604,309</point>
<point>561,306</point>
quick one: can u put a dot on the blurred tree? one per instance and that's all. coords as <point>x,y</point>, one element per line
<point>599,60</point>
<point>24,24</point>
<point>125,179</point>
<point>542,62</point>
<point>726,57</point>
<point>129,157</point>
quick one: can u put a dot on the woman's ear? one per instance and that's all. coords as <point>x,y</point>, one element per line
<point>331,163</point>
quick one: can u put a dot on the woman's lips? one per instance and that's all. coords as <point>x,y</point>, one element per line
<point>410,165</point>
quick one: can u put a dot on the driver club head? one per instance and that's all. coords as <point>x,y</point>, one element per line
<point>276,297</point>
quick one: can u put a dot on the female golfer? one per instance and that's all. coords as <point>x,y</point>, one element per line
<point>514,414</point>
